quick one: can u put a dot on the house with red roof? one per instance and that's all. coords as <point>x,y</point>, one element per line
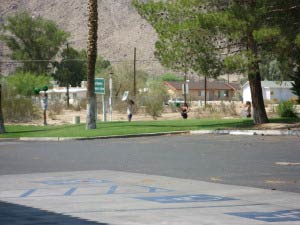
<point>215,90</point>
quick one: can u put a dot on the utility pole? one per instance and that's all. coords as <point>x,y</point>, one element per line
<point>2,128</point>
<point>67,74</point>
<point>184,85</point>
<point>110,94</point>
<point>205,90</point>
<point>134,73</point>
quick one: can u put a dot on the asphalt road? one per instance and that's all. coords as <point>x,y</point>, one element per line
<point>256,161</point>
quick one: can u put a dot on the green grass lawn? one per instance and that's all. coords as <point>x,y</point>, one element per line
<point>122,128</point>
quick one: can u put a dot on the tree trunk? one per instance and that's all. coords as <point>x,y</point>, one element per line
<point>258,105</point>
<point>2,128</point>
<point>91,62</point>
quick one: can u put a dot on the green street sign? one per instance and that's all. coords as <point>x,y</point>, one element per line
<point>99,86</point>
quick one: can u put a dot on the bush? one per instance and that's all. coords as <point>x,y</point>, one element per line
<point>154,99</point>
<point>25,83</point>
<point>55,107</point>
<point>286,109</point>
<point>17,108</point>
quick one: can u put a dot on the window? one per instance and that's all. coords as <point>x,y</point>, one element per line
<point>201,93</point>
<point>223,94</point>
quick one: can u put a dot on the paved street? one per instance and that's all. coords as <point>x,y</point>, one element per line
<point>241,160</point>
<point>188,179</point>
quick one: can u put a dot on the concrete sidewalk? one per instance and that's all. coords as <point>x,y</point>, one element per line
<point>115,198</point>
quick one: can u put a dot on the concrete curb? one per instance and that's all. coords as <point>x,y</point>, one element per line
<point>102,137</point>
<point>250,132</point>
<point>200,132</point>
<point>8,139</point>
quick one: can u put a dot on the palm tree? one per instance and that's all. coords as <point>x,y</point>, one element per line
<point>91,62</point>
<point>2,128</point>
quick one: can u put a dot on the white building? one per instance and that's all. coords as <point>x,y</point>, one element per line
<point>75,93</point>
<point>272,90</point>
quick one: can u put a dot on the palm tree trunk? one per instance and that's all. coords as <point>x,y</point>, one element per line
<point>2,128</point>
<point>91,62</point>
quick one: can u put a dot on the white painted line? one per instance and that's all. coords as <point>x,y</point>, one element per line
<point>288,163</point>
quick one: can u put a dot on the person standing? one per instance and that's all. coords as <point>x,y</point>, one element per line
<point>130,104</point>
<point>44,104</point>
<point>184,110</point>
<point>246,112</point>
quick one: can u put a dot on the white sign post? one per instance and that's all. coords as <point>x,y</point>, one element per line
<point>100,89</point>
<point>110,97</point>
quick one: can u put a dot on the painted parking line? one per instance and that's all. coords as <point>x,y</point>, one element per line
<point>86,190</point>
<point>112,190</point>
<point>27,193</point>
<point>70,192</point>
<point>166,208</point>
<point>277,216</point>
<point>112,197</point>
<point>288,163</point>
<point>74,181</point>
<point>186,198</point>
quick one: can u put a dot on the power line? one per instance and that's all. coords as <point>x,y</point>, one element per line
<point>52,60</point>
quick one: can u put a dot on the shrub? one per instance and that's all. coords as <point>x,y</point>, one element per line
<point>25,83</point>
<point>55,107</point>
<point>154,99</point>
<point>286,109</point>
<point>17,108</point>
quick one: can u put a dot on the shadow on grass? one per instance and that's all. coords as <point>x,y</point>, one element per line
<point>200,125</point>
<point>13,214</point>
<point>46,129</point>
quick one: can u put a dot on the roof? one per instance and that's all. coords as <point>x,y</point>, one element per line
<point>277,84</point>
<point>64,90</point>
<point>211,85</point>
<point>274,84</point>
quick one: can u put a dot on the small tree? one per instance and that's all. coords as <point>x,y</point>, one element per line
<point>296,84</point>
<point>153,99</point>
<point>123,79</point>
<point>71,69</point>
<point>286,109</point>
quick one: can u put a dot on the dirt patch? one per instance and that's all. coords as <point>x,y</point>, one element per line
<point>277,126</point>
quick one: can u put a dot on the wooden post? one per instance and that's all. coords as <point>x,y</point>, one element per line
<point>134,73</point>
<point>205,90</point>
<point>68,78</point>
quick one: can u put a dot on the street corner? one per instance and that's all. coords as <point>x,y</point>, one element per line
<point>113,197</point>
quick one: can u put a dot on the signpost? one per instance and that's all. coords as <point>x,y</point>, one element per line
<point>99,86</point>
<point>100,89</point>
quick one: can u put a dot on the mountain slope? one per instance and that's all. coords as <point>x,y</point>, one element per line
<point>120,26</point>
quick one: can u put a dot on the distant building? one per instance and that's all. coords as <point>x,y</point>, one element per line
<point>75,93</point>
<point>215,90</point>
<point>275,91</point>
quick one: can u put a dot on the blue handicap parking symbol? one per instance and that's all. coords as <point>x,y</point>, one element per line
<point>278,216</point>
<point>185,198</point>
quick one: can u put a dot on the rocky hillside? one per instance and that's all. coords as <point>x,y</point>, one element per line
<point>120,26</point>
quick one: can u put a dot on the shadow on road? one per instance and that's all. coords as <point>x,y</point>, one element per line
<point>13,214</point>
